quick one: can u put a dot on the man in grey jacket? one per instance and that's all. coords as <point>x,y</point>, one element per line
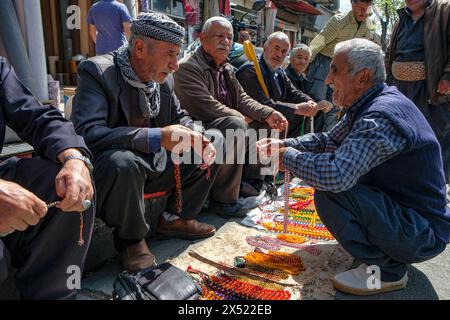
<point>126,110</point>
<point>208,89</point>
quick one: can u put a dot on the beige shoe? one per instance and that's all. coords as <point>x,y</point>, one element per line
<point>355,282</point>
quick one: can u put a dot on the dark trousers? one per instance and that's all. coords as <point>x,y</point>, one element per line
<point>226,185</point>
<point>254,171</point>
<point>297,124</point>
<point>122,177</point>
<point>376,230</point>
<point>317,73</point>
<point>34,263</point>
<point>438,116</point>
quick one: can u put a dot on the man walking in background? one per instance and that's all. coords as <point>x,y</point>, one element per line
<point>109,25</point>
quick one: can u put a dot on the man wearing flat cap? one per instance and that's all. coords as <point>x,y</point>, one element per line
<point>126,110</point>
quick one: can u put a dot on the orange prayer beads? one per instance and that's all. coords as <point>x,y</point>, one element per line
<point>274,260</point>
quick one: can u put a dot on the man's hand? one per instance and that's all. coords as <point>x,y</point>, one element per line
<point>307,109</point>
<point>73,183</point>
<point>268,147</point>
<point>444,87</point>
<point>277,120</point>
<point>19,208</point>
<point>324,105</point>
<point>281,153</point>
<point>178,139</point>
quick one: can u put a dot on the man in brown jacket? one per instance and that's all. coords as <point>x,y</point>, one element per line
<point>418,63</point>
<point>208,89</point>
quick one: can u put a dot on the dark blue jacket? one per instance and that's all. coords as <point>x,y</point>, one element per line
<point>415,177</point>
<point>42,126</point>
<point>282,96</point>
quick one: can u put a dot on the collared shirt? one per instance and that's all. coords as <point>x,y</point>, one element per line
<point>410,45</point>
<point>339,28</point>
<point>222,91</point>
<point>335,160</point>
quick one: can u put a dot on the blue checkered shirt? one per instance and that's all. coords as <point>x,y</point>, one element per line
<point>335,160</point>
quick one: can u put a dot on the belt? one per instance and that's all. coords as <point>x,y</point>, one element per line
<point>408,71</point>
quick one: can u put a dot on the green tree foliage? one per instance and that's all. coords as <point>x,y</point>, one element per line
<point>386,12</point>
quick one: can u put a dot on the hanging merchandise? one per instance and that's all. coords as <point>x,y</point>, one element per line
<point>225,8</point>
<point>192,12</point>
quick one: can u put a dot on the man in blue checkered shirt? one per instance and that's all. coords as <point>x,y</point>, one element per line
<point>378,174</point>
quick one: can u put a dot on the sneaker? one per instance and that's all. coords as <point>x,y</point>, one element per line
<point>228,210</point>
<point>355,282</point>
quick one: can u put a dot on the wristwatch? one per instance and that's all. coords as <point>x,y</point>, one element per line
<point>86,160</point>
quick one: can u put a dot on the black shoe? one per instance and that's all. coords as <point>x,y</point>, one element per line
<point>263,185</point>
<point>227,210</point>
<point>247,190</point>
<point>271,190</point>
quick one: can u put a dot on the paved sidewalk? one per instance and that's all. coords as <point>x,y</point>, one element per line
<point>428,280</point>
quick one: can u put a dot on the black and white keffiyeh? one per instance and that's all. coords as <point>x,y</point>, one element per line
<point>149,98</point>
<point>158,26</point>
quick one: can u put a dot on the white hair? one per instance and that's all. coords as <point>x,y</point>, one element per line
<point>300,47</point>
<point>278,35</point>
<point>212,20</point>
<point>363,54</point>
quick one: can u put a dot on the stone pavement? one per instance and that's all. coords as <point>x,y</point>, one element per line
<point>427,280</point>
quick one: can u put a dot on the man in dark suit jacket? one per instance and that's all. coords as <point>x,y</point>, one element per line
<point>283,96</point>
<point>38,245</point>
<point>129,116</point>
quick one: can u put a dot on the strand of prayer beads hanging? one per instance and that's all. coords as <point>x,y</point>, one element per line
<point>178,192</point>
<point>287,181</point>
<point>178,186</point>
<point>80,239</point>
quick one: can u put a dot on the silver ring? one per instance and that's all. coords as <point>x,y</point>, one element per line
<point>86,204</point>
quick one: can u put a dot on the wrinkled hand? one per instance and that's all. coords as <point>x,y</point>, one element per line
<point>178,139</point>
<point>325,106</point>
<point>73,186</point>
<point>19,208</point>
<point>248,120</point>
<point>277,120</point>
<point>444,87</point>
<point>209,152</point>
<point>268,147</point>
<point>307,109</point>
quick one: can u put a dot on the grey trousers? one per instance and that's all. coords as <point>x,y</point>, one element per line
<point>438,116</point>
<point>122,177</point>
<point>35,263</point>
<point>317,73</point>
<point>375,229</point>
<point>225,188</point>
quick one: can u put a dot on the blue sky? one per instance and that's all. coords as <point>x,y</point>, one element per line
<point>345,5</point>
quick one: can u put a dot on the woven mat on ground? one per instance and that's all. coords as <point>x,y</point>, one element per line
<point>230,241</point>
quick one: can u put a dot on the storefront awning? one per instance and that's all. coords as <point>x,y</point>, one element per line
<point>297,6</point>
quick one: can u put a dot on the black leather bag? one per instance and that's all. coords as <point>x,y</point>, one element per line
<point>163,282</point>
